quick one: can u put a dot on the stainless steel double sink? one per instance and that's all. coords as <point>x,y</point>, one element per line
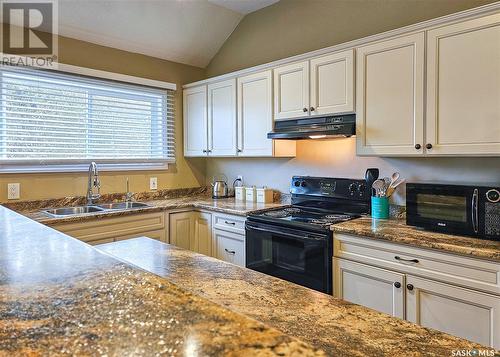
<point>71,211</point>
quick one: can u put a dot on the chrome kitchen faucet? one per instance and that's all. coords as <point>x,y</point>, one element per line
<point>93,184</point>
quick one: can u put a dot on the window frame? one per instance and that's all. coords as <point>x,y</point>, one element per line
<point>104,165</point>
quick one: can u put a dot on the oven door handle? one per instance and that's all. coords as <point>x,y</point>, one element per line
<point>301,235</point>
<point>475,223</point>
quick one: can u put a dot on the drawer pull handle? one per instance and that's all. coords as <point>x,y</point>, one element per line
<point>409,287</point>
<point>397,284</point>
<point>231,223</point>
<point>229,251</point>
<point>406,260</point>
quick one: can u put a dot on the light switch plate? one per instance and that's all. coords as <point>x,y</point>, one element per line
<point>13,191</point>
<point>153,183</point>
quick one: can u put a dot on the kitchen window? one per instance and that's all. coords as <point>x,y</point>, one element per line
<point>52,121</point>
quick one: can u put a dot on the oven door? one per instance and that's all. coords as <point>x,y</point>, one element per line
<point>299,256</point>
<point>443,208</point>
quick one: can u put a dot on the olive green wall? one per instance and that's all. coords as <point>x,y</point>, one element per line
<point>292,27</point>
<point>181,174</point>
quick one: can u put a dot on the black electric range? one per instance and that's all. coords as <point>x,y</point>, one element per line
<point>295,242</point>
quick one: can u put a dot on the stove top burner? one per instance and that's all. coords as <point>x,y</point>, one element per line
<point>306,216</point>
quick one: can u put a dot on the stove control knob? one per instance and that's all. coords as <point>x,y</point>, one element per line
<point>361,188</point>
<point>352,187</point>
<point>303,184</point>
<point>297,183</point>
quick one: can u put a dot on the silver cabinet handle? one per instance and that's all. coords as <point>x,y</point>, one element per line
<point>406,260</point>
<point>475,224</point>
<point>229,251</point>
<point>231,223</point>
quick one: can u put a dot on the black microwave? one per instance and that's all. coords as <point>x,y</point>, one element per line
<point>463,210</point>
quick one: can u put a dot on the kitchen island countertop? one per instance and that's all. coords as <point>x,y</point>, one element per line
<point>59,296</point>
<point>336,326</point>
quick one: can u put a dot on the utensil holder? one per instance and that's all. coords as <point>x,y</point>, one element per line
<point>380,207</point>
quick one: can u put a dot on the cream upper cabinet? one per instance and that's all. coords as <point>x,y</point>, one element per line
<point>255,118</point>
<point>332,83</point>
<point>222,118</point>
<point>232,118</point>
<point>195,121</point>
<point>255,114</point>
<point>463,88</point>
<point>378,289</point>
<point>458,311</point>
<point>291,91</point>
<point>390,97</point>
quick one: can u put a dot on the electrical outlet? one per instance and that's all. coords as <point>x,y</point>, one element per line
<point>153,183</point>
<point>13,191</point>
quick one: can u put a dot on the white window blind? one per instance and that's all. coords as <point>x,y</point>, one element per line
<point>55,118</point>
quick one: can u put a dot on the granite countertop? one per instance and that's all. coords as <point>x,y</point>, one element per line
<point>59,296</point>
<point>396,231</point>
<point>189,199</point>
<point>335,326</point>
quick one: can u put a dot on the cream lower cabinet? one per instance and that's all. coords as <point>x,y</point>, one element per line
<point>229,238</point>
<point>378,289</point>
<point>214,234</point>
<point>456,310</point>
<point>107,230</point>
<point>454,294</point>
<point>191,230</point>
<point>230,247</point>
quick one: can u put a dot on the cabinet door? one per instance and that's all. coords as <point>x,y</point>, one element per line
<point>390,97</point>
<point>378,289</point>
<point>463,88</point>
<point>195,121</point>
<point>255,116</point>
<point>230,247</point>
<point>181,227</point>
<point>458,311</point>
<point>202,238</point>
<point>291,91</point>
<point>332,83</point>
<point>222,118</point>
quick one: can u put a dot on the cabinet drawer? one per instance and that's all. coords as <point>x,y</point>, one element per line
<point>229,223</point>
<point>132,225</point>
<point>469,272</point>
<point>230,247</point>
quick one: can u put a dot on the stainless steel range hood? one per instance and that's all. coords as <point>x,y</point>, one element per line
<point>315,128</point>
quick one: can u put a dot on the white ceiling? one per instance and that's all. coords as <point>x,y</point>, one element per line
<point>244,6</point>
<point>185,31</point>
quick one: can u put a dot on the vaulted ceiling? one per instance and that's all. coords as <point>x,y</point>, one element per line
<point>184,31</point>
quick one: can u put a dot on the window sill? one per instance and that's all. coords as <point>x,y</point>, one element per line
<point>27,169</point>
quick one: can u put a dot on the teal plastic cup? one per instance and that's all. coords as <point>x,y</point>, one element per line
<point>380,207</point>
